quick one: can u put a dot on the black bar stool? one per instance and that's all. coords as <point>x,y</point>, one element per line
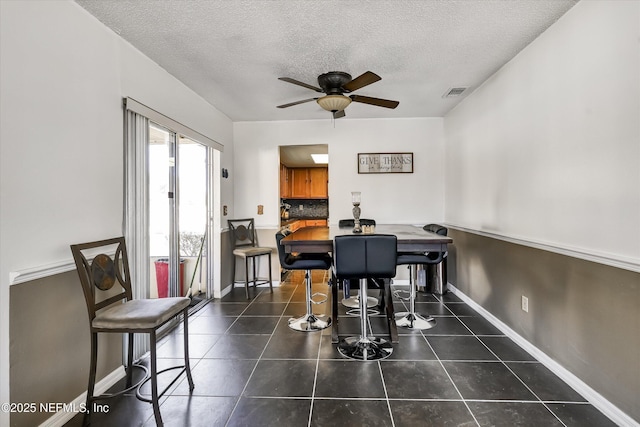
<point>349,301</point>
<point>365,257</point>
<point>309,322</point>
<point>410,319</point>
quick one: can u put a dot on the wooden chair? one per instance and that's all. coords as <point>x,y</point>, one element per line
<point>115,311</point>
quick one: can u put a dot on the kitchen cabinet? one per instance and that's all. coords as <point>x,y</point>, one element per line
<point>309,183</point>
<point>285,182</point>
<point>301,223</point>
<point>318,183</point>
<point>315,223</point>
<point>299,183</point>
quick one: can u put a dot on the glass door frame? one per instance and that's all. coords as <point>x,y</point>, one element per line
<point>173,161</point>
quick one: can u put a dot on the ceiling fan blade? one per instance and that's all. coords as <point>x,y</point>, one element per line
<point>361,81</point>
<point>339,114</point>
<point>299,83</point>
<point>296,103</point>
<point>374,101</point>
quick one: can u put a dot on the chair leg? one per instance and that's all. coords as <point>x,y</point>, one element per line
<point>130,361</point>
<point>255,272</point>
<point>154,381</point>
<point>387,300</point>
<point>92,378</point>
<point>270,278</point>
<point>233,272</point>
<point>410,319</point>
<point>365,347</point>
<point>309,322</point>
<point>246,276</point>
<point>187,364</point>
<point>334,309</point>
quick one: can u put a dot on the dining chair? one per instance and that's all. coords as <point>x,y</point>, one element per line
<point>113,310</point>
<point>364,257</point>
<point>307,262</point>
<point>245,246</point>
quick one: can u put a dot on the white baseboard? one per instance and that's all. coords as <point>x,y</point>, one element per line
<point>61,418</point>
<point>224,291</point>
<point>595,398</point>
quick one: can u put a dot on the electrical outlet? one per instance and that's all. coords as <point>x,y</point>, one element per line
<point>260,209</point>
<point>224,210</point>
<point>300,207</point>
<point>525,304</point>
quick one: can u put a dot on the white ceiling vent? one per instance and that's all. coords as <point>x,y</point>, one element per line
<point>454,91</point>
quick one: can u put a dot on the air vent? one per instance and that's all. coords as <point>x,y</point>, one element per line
<point>454,91</point>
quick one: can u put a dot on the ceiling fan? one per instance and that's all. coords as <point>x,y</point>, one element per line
<point>334,85</point>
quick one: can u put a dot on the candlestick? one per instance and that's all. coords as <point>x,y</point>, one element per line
<point>355,199</point>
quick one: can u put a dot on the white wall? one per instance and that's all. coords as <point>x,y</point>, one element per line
<point>415,198</point>
<point>548,149</point>
<point>63,76</point>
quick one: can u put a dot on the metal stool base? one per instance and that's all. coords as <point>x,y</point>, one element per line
<point>373,348</point>
<point>354,302</point>
<point>310,323</point>
<point>414,321</point>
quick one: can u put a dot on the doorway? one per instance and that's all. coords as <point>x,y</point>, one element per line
<point>304,185</point>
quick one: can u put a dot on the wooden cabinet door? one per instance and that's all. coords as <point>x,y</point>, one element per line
<point>285,182</point>
<point>299,183</point>
<point>318,178</point>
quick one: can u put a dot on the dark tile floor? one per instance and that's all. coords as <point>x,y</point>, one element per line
<point>250,369</point>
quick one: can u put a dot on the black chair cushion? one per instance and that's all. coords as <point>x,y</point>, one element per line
<point>412,258</point>
<point>365,256</point>
<point>436,228</point>
<point>301,261</point>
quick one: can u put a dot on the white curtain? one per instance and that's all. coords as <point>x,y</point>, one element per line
<point>135,214</point>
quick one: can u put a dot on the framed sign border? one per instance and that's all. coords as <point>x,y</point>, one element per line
<point>361,155</point>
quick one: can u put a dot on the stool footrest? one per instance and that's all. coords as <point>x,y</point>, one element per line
<point>320,294</point>
<point>397,293</point>
<point>144,379</point>
<point>149,400</point>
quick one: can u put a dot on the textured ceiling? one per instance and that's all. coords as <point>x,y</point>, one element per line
<point>232,52</point>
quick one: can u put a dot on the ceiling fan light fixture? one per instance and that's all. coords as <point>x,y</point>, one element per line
<point>334,102</point>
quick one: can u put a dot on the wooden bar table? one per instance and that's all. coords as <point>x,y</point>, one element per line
<point>320,240</point>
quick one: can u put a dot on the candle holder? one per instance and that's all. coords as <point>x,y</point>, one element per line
<point>355,199</point>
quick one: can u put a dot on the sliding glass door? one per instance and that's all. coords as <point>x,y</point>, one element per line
<point>178,189</point>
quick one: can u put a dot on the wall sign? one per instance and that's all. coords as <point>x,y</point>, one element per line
<point>385,162</point>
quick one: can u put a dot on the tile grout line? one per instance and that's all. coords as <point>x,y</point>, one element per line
<point>449,376</point>
<point>386,394</point>
<point>505,365</point>
<point>261,354</point>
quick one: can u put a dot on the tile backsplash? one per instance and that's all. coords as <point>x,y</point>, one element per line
<point>311,208</point>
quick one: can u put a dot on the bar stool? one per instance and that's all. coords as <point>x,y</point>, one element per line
<point>365,257</point>
<point>438,271</point>
<point>309,322</point>
<point>245,246</point>
<point>352,301</point>
<point>115,311</point>
<point>410,319</point>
